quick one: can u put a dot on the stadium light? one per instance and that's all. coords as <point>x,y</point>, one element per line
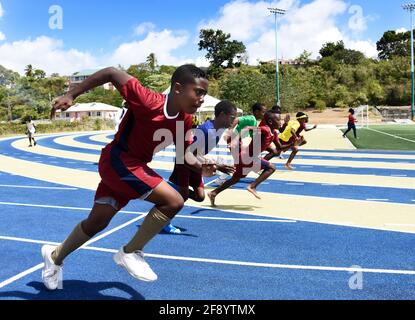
<point>411,7</point>
<point>277,12</point>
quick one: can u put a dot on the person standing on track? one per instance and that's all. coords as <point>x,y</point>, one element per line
<point>30,131</point>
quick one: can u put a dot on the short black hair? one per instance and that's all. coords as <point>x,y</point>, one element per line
<point>224,106</point>
<point>351,111</point>
<point>257,107</point>
<point>271,112</point>
<point>187,74</point>
<point>300,115</point>
<point>277,108</point>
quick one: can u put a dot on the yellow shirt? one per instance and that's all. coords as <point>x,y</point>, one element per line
<point>293,125</point>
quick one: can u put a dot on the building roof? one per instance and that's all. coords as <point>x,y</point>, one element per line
<point>92,107</point>
<point>86,72</point>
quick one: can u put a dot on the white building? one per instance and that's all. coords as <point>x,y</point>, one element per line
<point>80,76</point>
<point>93,110</point>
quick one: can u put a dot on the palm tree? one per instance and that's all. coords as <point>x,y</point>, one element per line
<point>152,62</point>
<point>29,71</point>
<point>39,74</point>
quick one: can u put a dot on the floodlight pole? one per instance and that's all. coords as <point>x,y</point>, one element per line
<point>277,12</point>
<point>411,8</point>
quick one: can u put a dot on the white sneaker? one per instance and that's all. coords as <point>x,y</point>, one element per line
<point>135,265</point>
<point>51,273</point>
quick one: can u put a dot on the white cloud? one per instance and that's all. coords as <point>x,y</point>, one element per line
<point>303,27</point>
<point>46,54</point>
<point>144,28</point>
<point>160,43</point>
<point>401,30</point>
<point>365,46</point>
<point>245,20</point>
<point>50,55</point>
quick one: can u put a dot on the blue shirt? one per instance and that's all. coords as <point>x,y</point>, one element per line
<point>206,138</point>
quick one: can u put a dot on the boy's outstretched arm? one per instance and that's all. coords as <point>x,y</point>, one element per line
<point>199,165</point>
<point>117,77</point>
<point>314,127</point>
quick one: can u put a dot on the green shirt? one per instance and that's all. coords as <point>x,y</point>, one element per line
<point>247,121</point>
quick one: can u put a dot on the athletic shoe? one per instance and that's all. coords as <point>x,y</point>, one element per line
<point>135,265</point>
<point>35,143</point>
<point>171,229</point>
<point>51,273</point>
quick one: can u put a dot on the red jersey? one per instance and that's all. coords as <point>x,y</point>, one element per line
<point>352,119</point>
<point>267,137</point>
<point>146,114</point>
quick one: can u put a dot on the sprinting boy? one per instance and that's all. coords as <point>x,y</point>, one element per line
<point>206,139</point>
<point>292,136</point>
<point>270,123</point>
<point>123,165</point>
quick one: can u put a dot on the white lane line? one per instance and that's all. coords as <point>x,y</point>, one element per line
<point>141,213</point>
<point>399,225</point>
<point>330,184</point>
<point>238,263</point>
<point>294,184</point>
<point>398,175</point>
<point>39,266</point>
<point>35,187</point>
<point>211,182</point>
<point>20,275</point>
<point>235,219</point>
<point>391,135</point>
<point>377,199</point>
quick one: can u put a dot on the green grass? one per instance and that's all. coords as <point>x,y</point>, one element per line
<point>369,139</point>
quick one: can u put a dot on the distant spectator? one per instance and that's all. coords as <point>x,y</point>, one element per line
<point>30,132</point>
<point>351,124</point>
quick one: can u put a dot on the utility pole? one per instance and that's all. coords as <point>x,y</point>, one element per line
<point>411,8</point>
<point>277,12</point>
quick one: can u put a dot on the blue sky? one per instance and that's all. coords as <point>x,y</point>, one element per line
<point>99,33</point>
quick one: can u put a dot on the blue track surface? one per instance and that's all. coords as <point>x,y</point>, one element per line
<point>30,212</point>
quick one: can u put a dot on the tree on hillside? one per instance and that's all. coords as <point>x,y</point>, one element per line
<point>29,71</point>
<point>304,58</point>
<point>152,62</point>
<point>330,48</point>
<point>339,53</point>
<point>39,74</point>
<point>394,44</point>
<point>219,48</point>
<point>247,86</point>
